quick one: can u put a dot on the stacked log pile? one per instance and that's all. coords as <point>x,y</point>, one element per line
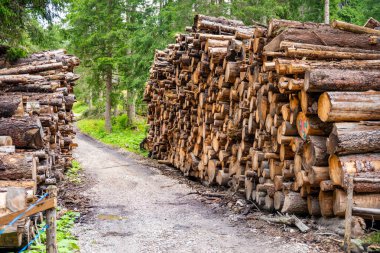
<point>36,131</point>
<point>280,113</point>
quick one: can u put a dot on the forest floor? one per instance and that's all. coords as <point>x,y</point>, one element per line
<point>136,205</point>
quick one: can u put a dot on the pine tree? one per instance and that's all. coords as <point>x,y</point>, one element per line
<point>97,36</point>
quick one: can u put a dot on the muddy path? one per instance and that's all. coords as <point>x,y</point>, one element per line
<point>135,208</point>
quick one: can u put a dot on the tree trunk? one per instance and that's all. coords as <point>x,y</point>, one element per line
<point>333,79</point>
<point>18,166</point>
<point>359,200</point>
<point>25,132</point>
<point>294,203</point>
<point>11,105</point>
<point>360,165</point>
<point>326,36</point>
<point>108,101</point>
<point>327,11</point>
<point>354,138</point>
<point>349,106</point>
<point>131,101</point>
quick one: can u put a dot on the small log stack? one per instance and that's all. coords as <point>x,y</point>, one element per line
<point>36,131</point>
<point>281,113</point>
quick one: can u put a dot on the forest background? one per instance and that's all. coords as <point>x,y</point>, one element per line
<point>116,40</point>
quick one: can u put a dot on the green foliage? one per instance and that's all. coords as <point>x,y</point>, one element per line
<point>15,53</point>
<point>372,238</point>
<point>67,242</point>
<point>128,138</point>
<point>73,172</point>
<point>16,15</point>
<point>80,107</point>
<point>139,27</point>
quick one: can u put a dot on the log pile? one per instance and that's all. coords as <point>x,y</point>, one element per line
<point>281,113</point>
<point>36,131</point>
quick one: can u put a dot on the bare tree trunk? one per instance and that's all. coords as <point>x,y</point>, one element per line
<point>327,11</point>
<point>131,100</point>
<point>90,101</point>
<point>108,101</point>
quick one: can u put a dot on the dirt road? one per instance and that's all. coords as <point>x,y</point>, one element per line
<point>137,209</point>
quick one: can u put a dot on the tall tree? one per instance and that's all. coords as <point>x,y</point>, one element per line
<point>97,36</point>
<point>327,11</point>
<point>16,15</point>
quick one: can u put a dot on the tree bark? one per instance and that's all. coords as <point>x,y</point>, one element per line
<point>108,125</point>
<point>17,166</point>
<point>349,106</point>
<point>294,203</point>
<point>11,105</point>
<point>325,36</point>
<point>354,138</point>
<point>25,132</point>
<point>333,79</point>
<point>131,102</point>
<point>360,165</point>
<point>360,200</point>
<point>327,12</point>
<point>353,28</point>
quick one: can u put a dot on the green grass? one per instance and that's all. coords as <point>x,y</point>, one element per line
<point>128,138</point>
<point>80,107</point>
<point>73,172</point>
<point>66,241</point>
<point>372,238</point>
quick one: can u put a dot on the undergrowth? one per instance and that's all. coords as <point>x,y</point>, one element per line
<point>372,238</point>
<point>123,136</point>
<point>80,107</point>
<point>73,172</point>
<point>66,241</point>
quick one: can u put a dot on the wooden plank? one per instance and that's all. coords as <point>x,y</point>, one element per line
<point>42,206</point>
<point>348,219</point>
<point>24,183</point>
<point>51,221</point>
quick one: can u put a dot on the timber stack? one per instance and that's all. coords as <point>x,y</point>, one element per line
<point>282,114</point>
<point>36,131</point>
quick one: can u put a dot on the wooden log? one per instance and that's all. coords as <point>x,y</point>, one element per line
<point>276,25</point>
<point>29,69</point>
<point>18,166</point>
<point>11,105</point>
<point>25,132</point>
<point>349,106</point>
<point>326,203</point>
<point>232,72</point>
<point>360,165</point>
<point>353,138</point>
<point>312,125</point>
<point>313,206</point>
<point>222,178</point>
<point>278,200</point>
<point>324,55</point>
<point>285,45</point>
<point>294,203</point>
<point>327,37</point>
<point>353,28</point>
<point>359,200</point>
<point>315,152</point>
<point>333,79</point>
<point>327,185</point>
<point>318,174</point>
